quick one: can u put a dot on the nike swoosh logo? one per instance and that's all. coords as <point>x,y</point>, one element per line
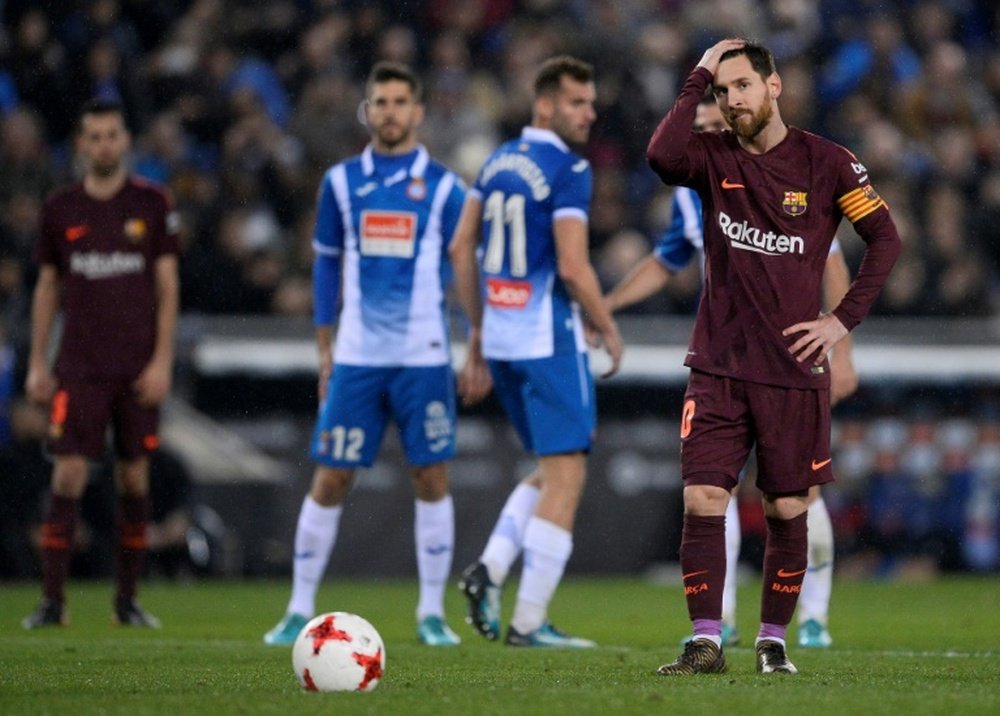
<point>821,465</point>
<point>694,574</point>
<point>76,232</point>
<point>726,184</point>
<point>783,573</point>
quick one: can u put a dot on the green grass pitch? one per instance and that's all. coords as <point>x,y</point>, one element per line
<point>899,649</point>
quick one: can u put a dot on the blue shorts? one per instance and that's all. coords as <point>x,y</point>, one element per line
<point>361,400</point>
<point>550,401</point>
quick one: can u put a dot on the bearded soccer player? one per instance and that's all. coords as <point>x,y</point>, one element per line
<point>530,207</point>
<point>677,247</point>
<point>108,260</point>
<point>384,221</point>
<point>773,197</point>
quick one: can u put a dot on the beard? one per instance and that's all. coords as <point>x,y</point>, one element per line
<point>105,169</point>
<point>570,133</point>
<point>757,121</point>
<point>392,135</point>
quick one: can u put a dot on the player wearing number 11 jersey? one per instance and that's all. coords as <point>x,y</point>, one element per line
<point>527,214</point>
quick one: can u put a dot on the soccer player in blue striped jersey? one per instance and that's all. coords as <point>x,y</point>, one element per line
<point>677,247</point>
<point>383,225</point>
<point>530,206</point>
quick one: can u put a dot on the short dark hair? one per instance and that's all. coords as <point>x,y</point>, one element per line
<point>100,106</point>
<point>552,71</point>
<point>386,71</point>
<point>761,58</point>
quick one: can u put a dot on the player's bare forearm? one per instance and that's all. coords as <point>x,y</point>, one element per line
<point>167,306</point>
<point>577,274</point>
<point>843,375</point>
<point>474,380</point>
<point>40,384</point>
<point>324,353</point>
<point>647,278</point>
<point>462,254</point>
<point>153,384</point>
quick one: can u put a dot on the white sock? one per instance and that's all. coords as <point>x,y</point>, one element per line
<point>814,600</point>
<point>434,535</point>
<point>507,538</point>
<point>547,548</point>
<point>315,536</point>
<point>732,561</point>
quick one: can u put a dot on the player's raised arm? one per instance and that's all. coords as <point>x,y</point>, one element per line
<point>667,152</point>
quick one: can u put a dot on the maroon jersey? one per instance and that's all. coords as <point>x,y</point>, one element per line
<point>105,253</point>
<point>769,220</point>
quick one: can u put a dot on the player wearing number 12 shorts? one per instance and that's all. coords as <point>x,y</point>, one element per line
<point>383,224</point>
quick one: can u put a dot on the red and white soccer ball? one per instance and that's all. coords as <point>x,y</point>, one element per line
<point>338,651</point>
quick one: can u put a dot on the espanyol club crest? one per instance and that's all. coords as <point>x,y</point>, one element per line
<point>417,190</point>
<point>795,203</point>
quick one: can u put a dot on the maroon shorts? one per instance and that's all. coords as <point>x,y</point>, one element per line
<point>724,417</point>
<point>82,411</point>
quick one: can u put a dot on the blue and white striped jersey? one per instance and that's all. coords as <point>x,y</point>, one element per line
<point>525,186</point>
<point>682,238</point>
<point>389,219</point>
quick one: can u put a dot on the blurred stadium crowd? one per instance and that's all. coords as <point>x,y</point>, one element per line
<point>240,106</point>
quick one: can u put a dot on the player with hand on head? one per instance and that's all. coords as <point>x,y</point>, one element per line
<point>530,205</point>
<point>108,259</point>
<point>383,225</point>
<point>773,198</point>
<point>679,244</point>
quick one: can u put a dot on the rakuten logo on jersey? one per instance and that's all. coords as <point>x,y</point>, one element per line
<point>94,265</point>
<point>750,238</point>
<point>504,293</point>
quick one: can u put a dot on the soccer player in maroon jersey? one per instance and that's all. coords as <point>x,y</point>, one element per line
<point>107,257</point>
<point>773,196</point>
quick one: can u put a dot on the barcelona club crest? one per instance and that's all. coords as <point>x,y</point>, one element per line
<point>795,203</point>
<point>135,230</point>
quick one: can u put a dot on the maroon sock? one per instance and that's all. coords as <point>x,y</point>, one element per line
<point>133,513</point>
<point>57,545</point>
<point>703,565</point>
<point>785,557</point>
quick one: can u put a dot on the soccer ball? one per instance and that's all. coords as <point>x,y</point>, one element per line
<point>338,651</point>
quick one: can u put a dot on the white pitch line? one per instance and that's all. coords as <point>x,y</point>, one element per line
<point>891,653</point>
